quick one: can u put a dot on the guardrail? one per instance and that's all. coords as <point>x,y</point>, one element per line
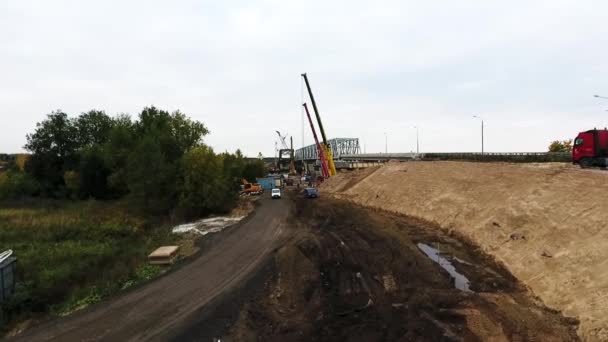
<point>7,277</point>
<point>5,255</point>
<point>512,157</point>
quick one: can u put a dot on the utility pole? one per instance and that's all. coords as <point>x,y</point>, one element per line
<point>417,141</point>
<point>385,143</point>
<point>475,116</point>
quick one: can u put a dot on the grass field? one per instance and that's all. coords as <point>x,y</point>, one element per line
<point>71,254</point>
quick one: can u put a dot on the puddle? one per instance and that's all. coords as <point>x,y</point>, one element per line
<point>460,281</point>
<point>206,226</point>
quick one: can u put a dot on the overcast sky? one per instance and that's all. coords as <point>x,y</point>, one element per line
<point>529,68</point>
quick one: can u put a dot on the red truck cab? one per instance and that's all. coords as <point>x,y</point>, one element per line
<point>591,148</point>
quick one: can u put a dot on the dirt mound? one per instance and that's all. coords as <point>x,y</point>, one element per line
<point>545,222</point>
<point>356,275</point>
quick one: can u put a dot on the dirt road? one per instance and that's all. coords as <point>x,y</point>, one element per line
<point>158,310</point>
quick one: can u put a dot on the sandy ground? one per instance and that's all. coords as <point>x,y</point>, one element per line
<point>352,274</point>
<point>545,222</point>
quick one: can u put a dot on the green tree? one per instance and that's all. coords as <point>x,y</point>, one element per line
<point>151,179</point>
<point>93,128</point>
<point>116,151</point>
<point>57,135</point>
<point>205,186</point>
<point>561,146</point>
<point>54,146</point>
<point>254,169</point>
<point>154,170</point>
<point>93,173</point>
<point>175,132</point>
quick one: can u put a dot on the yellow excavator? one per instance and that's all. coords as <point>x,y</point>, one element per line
<point>325,145</point>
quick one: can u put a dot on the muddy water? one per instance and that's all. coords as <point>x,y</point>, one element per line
<point>460,281</point>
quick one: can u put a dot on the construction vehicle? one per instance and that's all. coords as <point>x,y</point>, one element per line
<point>251,188</point>
<point>320,152</point>
<point>591,148</point>
<point>286,160</point>
<point>326,147</point>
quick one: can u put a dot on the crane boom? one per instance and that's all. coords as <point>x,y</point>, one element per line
<point>324,168</point>
<point>314,106</point>
<point>326,147</point>
<point>282,138</point>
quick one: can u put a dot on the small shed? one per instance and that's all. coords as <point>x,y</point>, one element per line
<point>267,183</point>
<point>7,278</point>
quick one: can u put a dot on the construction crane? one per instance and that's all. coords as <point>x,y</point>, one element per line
<point>286,151</point>
<point>326,148</point>
<point>324,168</point>
<point>282,140</point>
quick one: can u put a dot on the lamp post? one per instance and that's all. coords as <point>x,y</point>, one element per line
<point>477,117</point>
<point>417,141</point>
<point>600,97</point>
<point>385,143</point>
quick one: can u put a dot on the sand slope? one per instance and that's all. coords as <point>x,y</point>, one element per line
<point>548,223</point>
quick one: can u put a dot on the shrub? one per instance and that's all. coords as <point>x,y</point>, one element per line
<point>16,184</point>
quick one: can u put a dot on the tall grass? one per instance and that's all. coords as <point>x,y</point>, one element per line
<point>73,253</point>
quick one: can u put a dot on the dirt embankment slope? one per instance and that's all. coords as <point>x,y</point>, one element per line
<point>353,274</point>
<point>546,222</point>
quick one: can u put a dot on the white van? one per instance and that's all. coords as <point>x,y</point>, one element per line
<point>275,193</point>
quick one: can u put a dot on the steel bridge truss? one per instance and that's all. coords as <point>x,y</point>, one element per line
<point>339,147</point>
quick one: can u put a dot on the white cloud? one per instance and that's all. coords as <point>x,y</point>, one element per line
<point>529,68</point>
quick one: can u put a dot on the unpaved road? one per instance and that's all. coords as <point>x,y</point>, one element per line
<point>158,310</point>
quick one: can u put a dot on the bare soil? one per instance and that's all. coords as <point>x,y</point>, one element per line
<point>545,222</point>
<point>353,274</point>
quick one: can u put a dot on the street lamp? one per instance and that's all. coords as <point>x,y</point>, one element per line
<point>417,141</point>
<point>600,97</point>
<point>385,143</point>
<point>477,117</point>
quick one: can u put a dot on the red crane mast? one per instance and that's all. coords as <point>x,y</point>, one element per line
<point>324,167</point>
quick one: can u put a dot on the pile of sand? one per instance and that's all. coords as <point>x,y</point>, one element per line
<point>546,222</point>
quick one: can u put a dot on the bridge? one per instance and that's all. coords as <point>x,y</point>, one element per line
<point>339,147</point>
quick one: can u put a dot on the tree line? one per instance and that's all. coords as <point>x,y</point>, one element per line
<point>157,161</point>
<point>561,146</point>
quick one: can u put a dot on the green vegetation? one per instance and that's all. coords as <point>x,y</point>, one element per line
<point>561,146</point>
<point>94,197</point>
<point>153,161</point>
<point>69,251</point>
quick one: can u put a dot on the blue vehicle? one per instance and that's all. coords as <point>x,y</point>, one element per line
<point>311,192</point>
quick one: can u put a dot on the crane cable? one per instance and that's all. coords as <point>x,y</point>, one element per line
<point>5,255</point>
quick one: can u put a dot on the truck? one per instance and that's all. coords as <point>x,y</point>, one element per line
<point>591,148</point>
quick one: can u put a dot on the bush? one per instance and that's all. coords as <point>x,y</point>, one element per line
<point>16,184</point>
